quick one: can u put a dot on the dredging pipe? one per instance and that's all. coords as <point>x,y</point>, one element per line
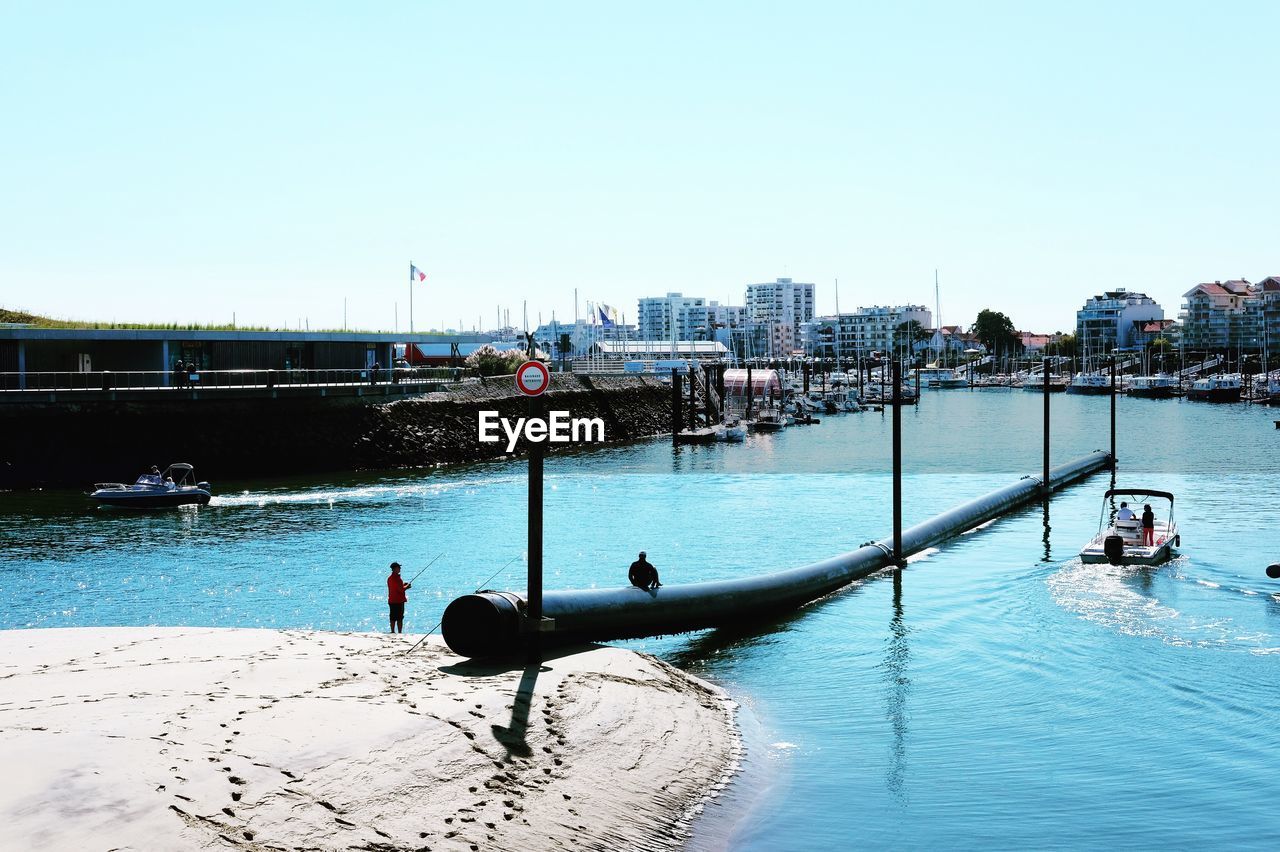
<point>490,623</point>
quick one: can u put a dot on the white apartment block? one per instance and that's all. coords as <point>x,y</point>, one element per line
<point>785,306</point>
<point>672,316</point>
<point>1106,321</point>
<point>866,330</point>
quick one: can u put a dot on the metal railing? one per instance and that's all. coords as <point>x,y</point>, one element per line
<point>159,380</point>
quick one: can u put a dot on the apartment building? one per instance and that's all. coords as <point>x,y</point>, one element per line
<point>673,316</point>
<point>783,306</point>
<point>1232,315</point>
<point>1106,321</point>
<point>864,331</point>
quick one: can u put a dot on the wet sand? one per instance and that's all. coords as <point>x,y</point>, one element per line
<point>192,738</point>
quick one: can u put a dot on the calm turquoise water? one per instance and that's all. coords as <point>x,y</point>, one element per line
<point>999,694</point>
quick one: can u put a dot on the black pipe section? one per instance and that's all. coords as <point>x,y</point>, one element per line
<point>487,623</point>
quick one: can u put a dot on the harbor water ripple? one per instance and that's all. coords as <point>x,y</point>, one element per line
<point>994,694</point>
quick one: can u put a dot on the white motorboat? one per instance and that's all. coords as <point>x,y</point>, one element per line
<point>1096,384</point>
<point>176,486</point>
<point>940,378</point>
<point>1057,384</point>
<point>1220,388</point>
<point>1120,542</point>
<point>769,419</point>
<point>1159,386</point>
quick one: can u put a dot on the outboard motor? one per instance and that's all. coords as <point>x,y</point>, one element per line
<point>204,486</point>
<point>1113,547</point>
<point>1273,571</point>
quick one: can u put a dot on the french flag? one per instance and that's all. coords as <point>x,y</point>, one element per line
<point>416,274</point>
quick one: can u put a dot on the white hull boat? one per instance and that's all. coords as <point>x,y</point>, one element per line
<point>1120,542</point>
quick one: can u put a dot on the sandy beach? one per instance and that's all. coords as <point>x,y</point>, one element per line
<point>193,738</point>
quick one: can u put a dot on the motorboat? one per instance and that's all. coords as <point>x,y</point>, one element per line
<point>1273,392</point>
<point>731,431</point>
<point>702,435</point>
<point>1119,542</point>
<point>1057,384</point>
<point>940,378</point>
<point>769,419</point>
<point>1159,386</point>
<point>1221,388</point>
<point>175,486</point>
<point>882,394</point>
<point>1096,384</point>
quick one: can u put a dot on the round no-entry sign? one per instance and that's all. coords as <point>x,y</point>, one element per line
<point>532,378</point>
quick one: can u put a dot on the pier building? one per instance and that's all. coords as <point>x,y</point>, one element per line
<point>25,351</point>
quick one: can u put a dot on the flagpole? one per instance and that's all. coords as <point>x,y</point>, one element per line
<point>411,297</point>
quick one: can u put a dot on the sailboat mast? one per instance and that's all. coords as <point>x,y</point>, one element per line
<point>837,325</point>
<point>937,317</point>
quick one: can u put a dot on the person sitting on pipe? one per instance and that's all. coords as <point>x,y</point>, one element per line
<point>643,575</point>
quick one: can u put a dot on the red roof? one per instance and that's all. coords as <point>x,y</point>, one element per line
<point>1214,289</point>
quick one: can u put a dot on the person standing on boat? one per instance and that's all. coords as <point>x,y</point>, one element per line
<point>643,575</point>
<point>1148,526</point>
<point>396,598</point>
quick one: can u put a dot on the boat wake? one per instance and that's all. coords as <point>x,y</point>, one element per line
<point>365,494</point>
<point>1123,599</point>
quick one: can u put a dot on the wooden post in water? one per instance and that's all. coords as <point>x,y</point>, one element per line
<point>676,418</point>
<point>897,463</point>
<point>693,400</point>
<point>534,409</point>
<point>1046,485</point>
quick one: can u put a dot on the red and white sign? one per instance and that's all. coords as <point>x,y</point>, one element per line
<point>533,378</point>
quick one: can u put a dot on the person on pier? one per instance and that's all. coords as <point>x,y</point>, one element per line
<point>643,575</point>
<point>396,597</point>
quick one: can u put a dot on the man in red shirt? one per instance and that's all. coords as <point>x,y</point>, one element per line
<point>396,598</point>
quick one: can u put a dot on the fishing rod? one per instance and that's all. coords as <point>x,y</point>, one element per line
<point>424,568</point>
<point>441,621</point>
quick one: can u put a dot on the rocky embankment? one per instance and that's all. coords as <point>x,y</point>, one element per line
<point>442,428</point>
<point>75,444</point>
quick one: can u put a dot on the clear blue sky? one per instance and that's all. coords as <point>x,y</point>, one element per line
<point>183,161</point>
